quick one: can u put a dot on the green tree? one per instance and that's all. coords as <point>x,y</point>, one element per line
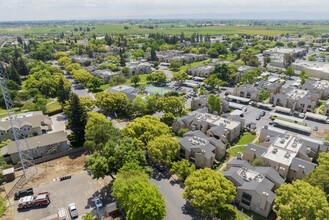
<point>182,169</point>
<point>288,59</point>
<point>175,65</point>
<point>77,117</point>
<point>114,155</point>
<point>263,95</point>
<point>88,216</point>
<point>249,77</point>
<point>290,71</point>
<point>3,206</point>
<point>209,191</point>
<point>258,162</point>
<point>59,55</point>
<point>94,83</point>
<point>266,61</point>
<point>151,103</point>
<point>319,177</point>
<point>213,81</point>
<point>163,149</point>
<point>168,118</point>
<point>157,77</point>
<point>115,103</point>
<point>137,196</point>
<point>63,92</point>
<point>73,66</point>
<point>138,53</point>
<point>82,76</point>
<point>303,76</point>
<point>153,55</point>
<point>171,104</point>
<point>180,76</point>
<point>126,71</point>
<point>64,61</point>
<point>135,79</point>
<point>195,89</point>
<point>87,103</point>
<point>145,129</point>
<point>140,105</point>
<point>300,200</point>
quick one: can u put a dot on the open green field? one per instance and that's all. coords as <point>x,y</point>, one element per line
<point>245,139</point>
<point>176,28</point>
<point>234,151</point>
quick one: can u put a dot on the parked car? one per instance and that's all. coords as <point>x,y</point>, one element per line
<point>22,193</point>
<point>262,114</point>
<point>301,115</point>
<point>73,210</point>
<point>98,202</point>
<point>315,128</point>
<point>160,167</point>
<point>244,109</point>
<point>258,117</point>
<point>271,122</point>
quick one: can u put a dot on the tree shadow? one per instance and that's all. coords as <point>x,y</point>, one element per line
<point>195,215</point>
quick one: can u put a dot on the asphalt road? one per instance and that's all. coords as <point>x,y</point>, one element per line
<point>176,206</point>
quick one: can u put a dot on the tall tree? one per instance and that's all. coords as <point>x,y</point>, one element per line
<point>137,196</point>
<point>163,149</point>
<point>182,169</point>
<point>288,59</point>
<point>300,200</point>
<point>77,117</point>
<point>320,175</point>
<point>62,92</point>
<point>209,191</point>
<point>153,55</point>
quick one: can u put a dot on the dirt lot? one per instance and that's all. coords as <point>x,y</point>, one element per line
<point>72,164</point>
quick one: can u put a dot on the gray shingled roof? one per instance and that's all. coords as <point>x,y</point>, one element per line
<point>40,141</point>
<point>240,163</point>
<point>34,121</point>
<point>271,174</point>
<point>260,187</point>
<point>308,165</point>
<point>259,149</point>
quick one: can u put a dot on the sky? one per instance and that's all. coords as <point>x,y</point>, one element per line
<point>21,10</point>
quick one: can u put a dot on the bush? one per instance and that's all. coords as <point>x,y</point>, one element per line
<point>182,131</point>
<point>253,132</point>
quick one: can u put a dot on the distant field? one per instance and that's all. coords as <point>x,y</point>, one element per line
<point>175,28</point>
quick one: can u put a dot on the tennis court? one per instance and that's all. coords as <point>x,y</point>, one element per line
<point>154,90</point>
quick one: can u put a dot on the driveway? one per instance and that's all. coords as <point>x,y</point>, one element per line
<point>80,189</point>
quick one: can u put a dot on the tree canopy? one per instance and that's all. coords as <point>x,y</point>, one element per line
<point>145,129</point>
<point>163,149</point>
<point>182,168</point>
<point>157,77</point>
<point>137,196</point>
<point>300,200</point>
<point>171,104</point>
<point>209,191</point>
<point>114,103</point>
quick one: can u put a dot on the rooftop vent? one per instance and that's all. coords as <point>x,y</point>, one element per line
<point>274,151</point>
<point>287,155</point>
<point>282,140</point>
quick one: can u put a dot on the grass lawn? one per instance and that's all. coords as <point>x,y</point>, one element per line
<point>245,139</point>
<point>142,77</point>
<point>17,112</point>
<point>54,106</point>
<point>230,56</point>
<point>234,151</point>
<point>195,64</point>
<point>104,87</point>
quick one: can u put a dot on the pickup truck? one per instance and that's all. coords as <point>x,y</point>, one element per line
<point>42,199</point>
<point>73,210</point>
<point>23,193</point>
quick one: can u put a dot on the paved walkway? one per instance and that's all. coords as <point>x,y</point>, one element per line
<point>231,158</point>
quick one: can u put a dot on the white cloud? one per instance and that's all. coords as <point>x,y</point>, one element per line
<point>88,9</point>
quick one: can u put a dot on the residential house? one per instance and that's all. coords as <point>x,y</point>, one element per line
<point>291,156</point>
<point>247,91</point>
<point>131,92</point>
<point>31,123</point>
<point>295,99</point>
<point>255,185</point>
<point>226,127</point>
<point>39,146</point>
<point>320,87</point>
<point>200,149</point>
<point>202,101</point>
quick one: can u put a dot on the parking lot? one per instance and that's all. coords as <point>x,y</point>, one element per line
<point>80,189</point>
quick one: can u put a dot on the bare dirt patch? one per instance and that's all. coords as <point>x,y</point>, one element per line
<point>48,171</point>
